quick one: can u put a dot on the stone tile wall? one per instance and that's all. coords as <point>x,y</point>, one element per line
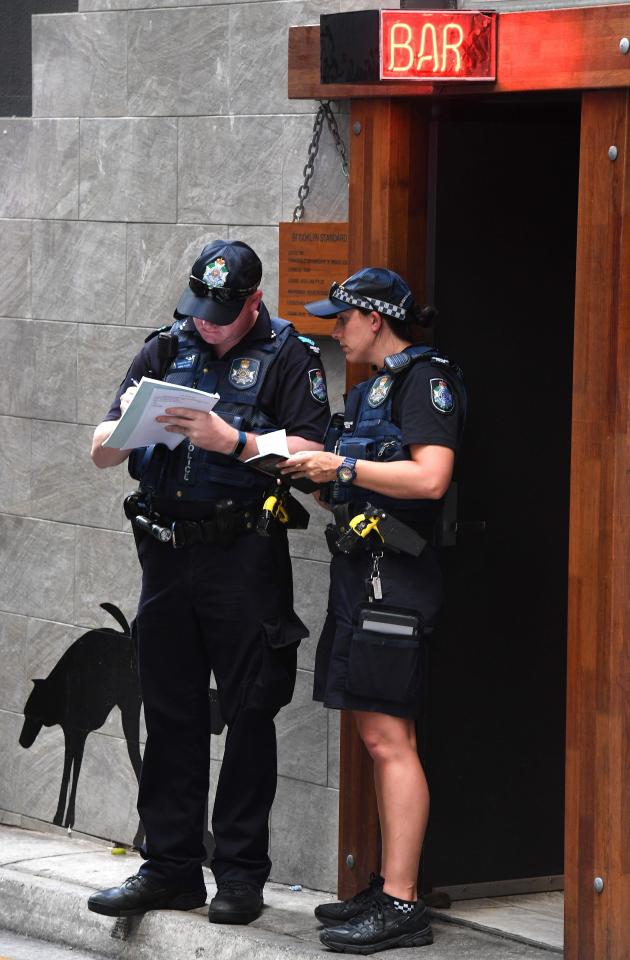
<point>157,125</point>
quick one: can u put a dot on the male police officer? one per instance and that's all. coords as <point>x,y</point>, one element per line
<point>215,596</point>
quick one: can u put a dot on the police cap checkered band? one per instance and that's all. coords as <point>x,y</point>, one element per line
<point>373,288</point>
<point>339,292</point>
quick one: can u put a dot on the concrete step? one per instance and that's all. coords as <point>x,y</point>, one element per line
<point>45,881</point>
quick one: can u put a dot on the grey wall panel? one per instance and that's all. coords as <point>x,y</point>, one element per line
<point>109,812</point>
<point>178,62</point>
<point>310,588</point>
<point>159,259</point>
<point>258,49</point>
<point>304,834</point>
<point>102,358</point>
<point>16,384</point>
<point>230,169</point>
<point>79,271</point>
<point>15,465</point>
<point>128,170</point>
<point>39,167</point>
<point>54,386</point>
<point>38,772</point>
<point>65,485</point>
<point>40,380</point>
<point>14,652</point>
<point>15,278</point>
<point>301,730</point>
<point>264,240</point>
<point>37,567</point>
<point>80,65</point>
<point>10,794</point>
<point>107,571</point>
<point>328,196</point>
<point>153,4</point>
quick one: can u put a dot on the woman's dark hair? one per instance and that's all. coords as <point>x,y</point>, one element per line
<point>416,316</point>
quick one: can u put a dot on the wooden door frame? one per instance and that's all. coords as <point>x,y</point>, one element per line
<point>551,50</point>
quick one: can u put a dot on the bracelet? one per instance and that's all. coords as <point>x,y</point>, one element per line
<point>240,444</point>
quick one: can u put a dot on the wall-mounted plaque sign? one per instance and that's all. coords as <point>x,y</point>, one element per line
<point>437,46</point>
<point>311,256</point>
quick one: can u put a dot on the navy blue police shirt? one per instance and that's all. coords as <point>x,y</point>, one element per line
<point>429,406</point>
<point>291,394</point>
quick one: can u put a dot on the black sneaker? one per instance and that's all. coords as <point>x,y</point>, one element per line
<point>340,910</point>
<point>379,927</point>
<point>235,902</point>
<point>138,894</point>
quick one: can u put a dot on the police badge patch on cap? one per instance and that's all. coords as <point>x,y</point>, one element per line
<point>379,390</point>
<point>442,396</point>
<point>216,273</point>
<point>244,372</point>
<point>318,385</point>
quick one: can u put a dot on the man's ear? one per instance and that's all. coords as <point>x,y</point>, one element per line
<point>255,298</point>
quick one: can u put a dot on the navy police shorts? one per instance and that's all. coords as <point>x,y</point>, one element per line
<point>382,676</point>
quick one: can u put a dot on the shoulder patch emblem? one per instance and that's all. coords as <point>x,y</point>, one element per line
<point>442,396</point>
<point>244,372</point>
<point>318,385</point>
<point>379,390</point>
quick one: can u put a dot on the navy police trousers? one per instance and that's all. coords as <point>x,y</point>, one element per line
<point>229,610</point>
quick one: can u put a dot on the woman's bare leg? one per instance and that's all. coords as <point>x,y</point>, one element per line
<point>402,796</point>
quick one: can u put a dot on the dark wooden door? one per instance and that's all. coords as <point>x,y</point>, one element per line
<point>505,176</point>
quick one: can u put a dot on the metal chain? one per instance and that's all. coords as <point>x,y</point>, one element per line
<point>334,132</point>
<point>324,111</point>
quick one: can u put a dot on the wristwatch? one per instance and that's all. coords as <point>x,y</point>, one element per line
<point>346,471</point>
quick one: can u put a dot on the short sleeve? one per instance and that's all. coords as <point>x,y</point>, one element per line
<point>140,367</point>
<point>428,405</point>
<point>295,392</point>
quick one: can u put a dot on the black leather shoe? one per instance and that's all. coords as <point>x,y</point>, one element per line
<point>340,910</point>
<point>235,902</point>
<point>380,927</point>
<point>138,894</point>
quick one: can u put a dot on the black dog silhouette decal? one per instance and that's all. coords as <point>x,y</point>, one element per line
<point>95,674</point>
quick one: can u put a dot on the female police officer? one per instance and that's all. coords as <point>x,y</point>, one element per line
<point>394,449</point>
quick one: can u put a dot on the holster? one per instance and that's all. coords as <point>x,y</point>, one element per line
<point>390,533</point>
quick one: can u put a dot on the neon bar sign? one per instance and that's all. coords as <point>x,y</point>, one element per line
<point>437,46</point>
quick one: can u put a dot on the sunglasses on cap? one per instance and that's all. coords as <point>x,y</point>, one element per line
<point>222,294</point>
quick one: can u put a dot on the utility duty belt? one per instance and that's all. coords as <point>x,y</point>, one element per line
<point>370,528</point>
<point>229,519</point>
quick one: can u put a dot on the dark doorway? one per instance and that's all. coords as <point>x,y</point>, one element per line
<point>502,275</point>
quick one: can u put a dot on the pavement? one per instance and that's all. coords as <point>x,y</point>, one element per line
<point>46,878</point>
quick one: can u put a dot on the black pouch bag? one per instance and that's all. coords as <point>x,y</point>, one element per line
<point>384,662</point>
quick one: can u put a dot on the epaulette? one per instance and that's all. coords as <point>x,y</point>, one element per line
<point>440,361</point>
<point>309,343</point>
<point>157,331</point>
<point>397,363</point>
